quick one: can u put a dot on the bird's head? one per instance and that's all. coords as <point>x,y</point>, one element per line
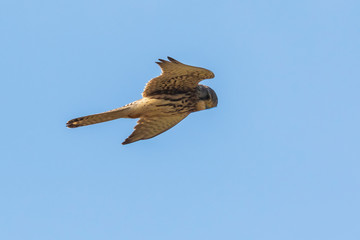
<point>207,96</point>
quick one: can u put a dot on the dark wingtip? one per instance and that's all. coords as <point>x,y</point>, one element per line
<point>162,60</point>
<point>173,60</point>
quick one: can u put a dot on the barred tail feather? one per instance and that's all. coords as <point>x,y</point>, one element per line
<point>98,118</point>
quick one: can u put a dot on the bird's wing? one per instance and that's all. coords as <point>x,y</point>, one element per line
<point>149,127</point>
<point>176,77</point>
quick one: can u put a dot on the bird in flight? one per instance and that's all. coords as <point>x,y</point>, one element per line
<point>166,100</point>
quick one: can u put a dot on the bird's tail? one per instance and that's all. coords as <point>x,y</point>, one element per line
<point>122,112</point>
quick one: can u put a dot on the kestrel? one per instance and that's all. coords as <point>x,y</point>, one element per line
<point>166,100</point>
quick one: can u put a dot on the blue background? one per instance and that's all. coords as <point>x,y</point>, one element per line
<point>277,159</point>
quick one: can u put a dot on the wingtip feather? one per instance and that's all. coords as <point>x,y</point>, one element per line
<point>127,141</point>
<point>173,60</point>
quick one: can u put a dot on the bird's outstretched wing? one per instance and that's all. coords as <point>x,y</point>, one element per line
<point>149,127</point>
<point>176,77</point>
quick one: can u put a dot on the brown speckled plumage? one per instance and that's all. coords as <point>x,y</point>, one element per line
<point>167,99</point>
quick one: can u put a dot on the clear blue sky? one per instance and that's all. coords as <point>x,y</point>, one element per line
<point>278,159</point>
